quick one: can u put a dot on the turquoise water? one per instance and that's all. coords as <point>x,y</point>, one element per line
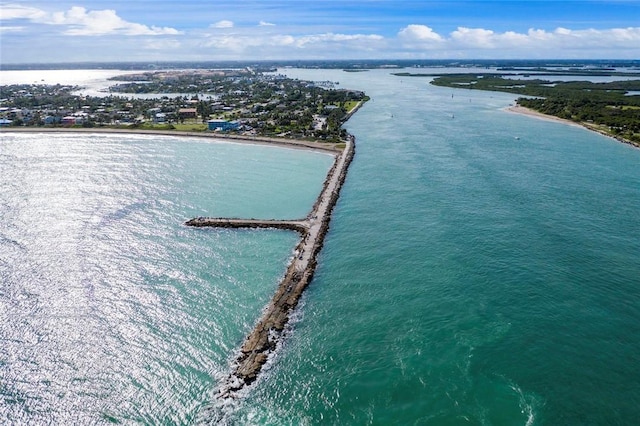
<point>481,268</point>
<point>469,277</point>
<point>111,309</point>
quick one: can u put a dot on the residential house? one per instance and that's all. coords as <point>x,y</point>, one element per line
<point>68,120</point>
<point>186,113</point>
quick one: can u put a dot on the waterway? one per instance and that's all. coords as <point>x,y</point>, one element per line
<point>481,268</point>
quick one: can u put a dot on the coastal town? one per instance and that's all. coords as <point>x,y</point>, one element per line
<point>236,101</point>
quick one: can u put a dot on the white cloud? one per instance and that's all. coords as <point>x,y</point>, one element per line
<point>162,44</point>
<point>626,34</point>
<point>419,33</point>
<point>615,38</point>
<point>222,24</point>
<point>474,37</point>
<point>245,44</point>
<point>101,22</point>
<point>237,43</point>
<point>82,22</point>
<point>421,38</point>
<point>15,29</point>
<point>283,40</point>
<point>14,11</point>
<point>20,25</point>
<point>335,38</point>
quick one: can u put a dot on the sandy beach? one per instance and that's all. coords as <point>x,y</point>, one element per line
<point>531,113</point>
<point>251,140</point>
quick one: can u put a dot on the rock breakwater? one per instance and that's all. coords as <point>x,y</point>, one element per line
<point>263,339</point>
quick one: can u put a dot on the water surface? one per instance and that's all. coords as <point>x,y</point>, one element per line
<point>481,268</point>
<point>112,309</point>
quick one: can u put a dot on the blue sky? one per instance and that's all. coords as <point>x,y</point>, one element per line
<point>202,30</point>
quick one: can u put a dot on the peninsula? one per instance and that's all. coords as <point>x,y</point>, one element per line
<point>244,102</point>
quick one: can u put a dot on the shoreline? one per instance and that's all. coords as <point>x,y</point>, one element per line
<point>249,140</point>
<point>518,109</point>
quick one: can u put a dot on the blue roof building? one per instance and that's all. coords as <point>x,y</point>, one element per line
<point>223,125</point>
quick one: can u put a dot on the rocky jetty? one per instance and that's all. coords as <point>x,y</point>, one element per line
<point>263,339</point>
<point>301,226</point>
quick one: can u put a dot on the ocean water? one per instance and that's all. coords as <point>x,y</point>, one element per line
<point>111,310</point>
<point>481,268</point>
<point>469,277</point>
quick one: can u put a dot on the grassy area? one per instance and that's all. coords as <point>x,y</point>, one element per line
<point>349,105</point>
<point>185,127</point>
<point>190,127</point>
<point>152,126</point>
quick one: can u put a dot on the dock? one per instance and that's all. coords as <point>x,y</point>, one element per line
<point>262,341</point>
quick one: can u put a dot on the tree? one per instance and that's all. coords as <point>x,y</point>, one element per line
<point>204,110</point>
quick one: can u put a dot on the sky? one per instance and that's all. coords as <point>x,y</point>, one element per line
<point>211,30</point>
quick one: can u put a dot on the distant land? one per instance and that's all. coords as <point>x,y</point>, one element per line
<point>611,108</point>
<point>241,102</point>
<point>606,64</point>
